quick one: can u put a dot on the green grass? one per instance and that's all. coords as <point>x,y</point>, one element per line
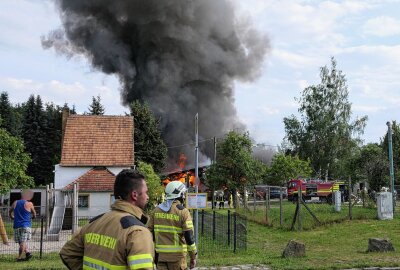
<point>325,213</point>
<point>339,244</point>
<point>331,246</point>
<point>49,261</point>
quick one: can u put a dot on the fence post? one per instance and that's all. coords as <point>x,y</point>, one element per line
<point>47,206</point>
<point>281,207</point>
<point>234,231</point>
<point>299,198</point>
<point>254,200</point>
<point>213,226</point>
<point>349,199</point>
<point>75,208</point>
<point>266,204</point>
<point>41,237</point>
<point>229,227</point>
<point>202,222</point>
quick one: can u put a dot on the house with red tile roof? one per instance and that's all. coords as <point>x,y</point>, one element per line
<point>95,148</point>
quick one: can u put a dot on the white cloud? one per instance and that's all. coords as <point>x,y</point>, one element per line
<point>391,54</point>
<point>23,22</point>
<point>270,110</point>
<point>367,109</point>
<point>382,26</point>
<point>303,84</point>
<point>293,59</point>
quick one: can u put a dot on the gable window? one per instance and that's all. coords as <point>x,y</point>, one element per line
<point>83,201</point>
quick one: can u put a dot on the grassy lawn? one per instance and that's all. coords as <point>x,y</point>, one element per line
<point>338,244</point>
<point>49,261</point>
<point>324,212</point>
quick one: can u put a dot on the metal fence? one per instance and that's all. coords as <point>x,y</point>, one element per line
<point>42,242</point>
<point>225,230</point>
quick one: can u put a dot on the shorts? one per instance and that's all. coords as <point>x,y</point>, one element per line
<point>22,234</point>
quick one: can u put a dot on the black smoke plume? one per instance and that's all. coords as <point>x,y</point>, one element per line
<point>180,56</point>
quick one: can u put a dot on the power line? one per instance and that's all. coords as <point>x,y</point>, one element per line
<point>186,144</point>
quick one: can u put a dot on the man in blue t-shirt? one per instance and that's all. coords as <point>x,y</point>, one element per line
<point>21,211</point>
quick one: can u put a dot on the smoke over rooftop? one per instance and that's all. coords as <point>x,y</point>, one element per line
<point>180,56</point>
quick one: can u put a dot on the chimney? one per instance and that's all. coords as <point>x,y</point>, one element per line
<point>65,115</point>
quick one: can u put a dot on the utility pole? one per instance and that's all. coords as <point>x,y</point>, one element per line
<point>213,162</point>
<point>391,162</point>
<point>196,212</point>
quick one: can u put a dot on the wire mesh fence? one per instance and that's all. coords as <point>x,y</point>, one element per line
<point>226,231</point>
<point>43,241</point>
<point>277,211</point>
<point>217,231</point>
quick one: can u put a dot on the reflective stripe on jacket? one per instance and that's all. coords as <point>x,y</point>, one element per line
<point>168,229</point>
<point>116,240</point>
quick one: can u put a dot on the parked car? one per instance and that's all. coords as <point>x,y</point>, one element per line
<point>274,192</point>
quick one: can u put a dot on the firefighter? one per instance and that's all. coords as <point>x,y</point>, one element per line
<point>117,239</point>
<point>172,228</point>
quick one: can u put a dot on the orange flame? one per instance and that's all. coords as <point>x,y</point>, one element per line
<point>180,176</point>
<point>182,161</point>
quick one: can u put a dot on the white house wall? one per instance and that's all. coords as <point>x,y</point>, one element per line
<point>65,175</point>
<point>116,170</point>
<point>99,203</point>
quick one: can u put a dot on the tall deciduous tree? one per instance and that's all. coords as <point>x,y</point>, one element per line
<point>325,132</point>
<point>235,168</point>
<point>96,108</point>
<point>149,147</point>
<point>13,163</point>
<point>286,167</point>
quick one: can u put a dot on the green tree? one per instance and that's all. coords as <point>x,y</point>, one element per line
<point>149,147</point>
<point>34,136</point>
<point>96,108</point>
<point>286,167</point>
<point>325,133</point>
<point>8,115</point>
<point>13,163</point>
<point>153,183</point>
<point>396,149</point>
<point>373,166</point>
<point>235,168</point>
<point>52,133</point>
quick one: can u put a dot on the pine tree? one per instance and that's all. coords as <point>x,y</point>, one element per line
<point>34,136</point>
<point>96,108</point>
<point>8,115</point>
<point>149,147</point>
<point>53,131</point>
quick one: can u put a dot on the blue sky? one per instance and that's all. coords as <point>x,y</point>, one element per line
<point>364,37</point>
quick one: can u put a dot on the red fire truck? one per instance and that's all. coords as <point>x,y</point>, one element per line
<point>316,190</point>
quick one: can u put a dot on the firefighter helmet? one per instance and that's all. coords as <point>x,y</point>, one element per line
<point>174,190</point>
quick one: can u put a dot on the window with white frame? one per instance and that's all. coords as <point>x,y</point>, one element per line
<point>83,201</point>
